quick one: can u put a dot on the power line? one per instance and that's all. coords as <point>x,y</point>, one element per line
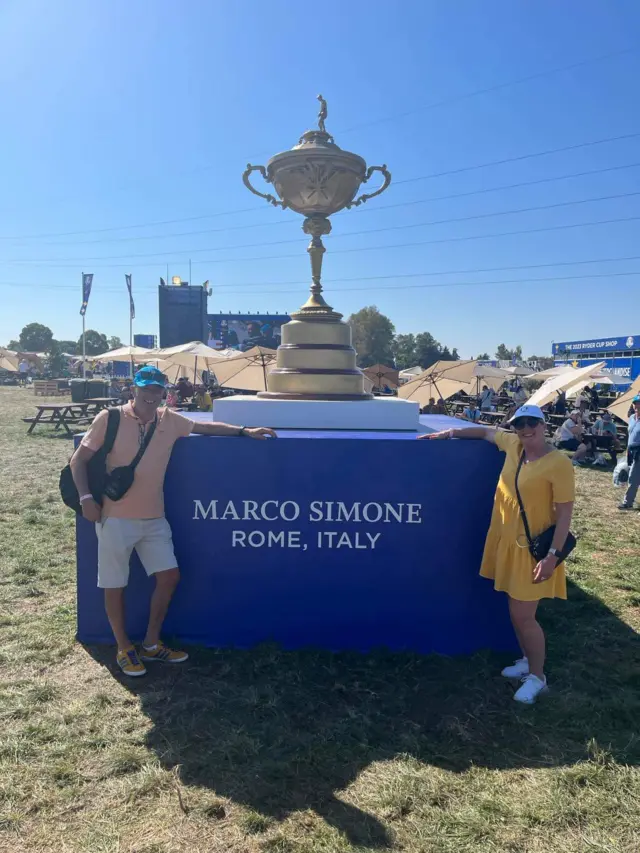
<point>436,285</point>
<point>298,283</point>
<point>429,223</point>
<point>162,264</point>
<point>365,210</point>
<point>395,183</point>
<point>488,89</point>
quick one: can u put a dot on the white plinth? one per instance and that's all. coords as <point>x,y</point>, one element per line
<point>377,414</point>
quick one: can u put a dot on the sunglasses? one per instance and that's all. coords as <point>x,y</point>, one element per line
<point>521,423</point>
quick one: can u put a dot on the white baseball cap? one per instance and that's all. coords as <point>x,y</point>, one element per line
<point>528,411</point>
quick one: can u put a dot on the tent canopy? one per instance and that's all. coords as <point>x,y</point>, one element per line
<point>621,406</point>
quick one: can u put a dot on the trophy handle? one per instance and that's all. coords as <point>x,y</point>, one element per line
<point>367,196</point>
<point>245,180</point>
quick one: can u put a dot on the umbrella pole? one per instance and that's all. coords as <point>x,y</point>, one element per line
<point>264,371</point>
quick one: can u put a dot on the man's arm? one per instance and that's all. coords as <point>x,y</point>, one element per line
<point>90,509</point>
<point>216,428</point>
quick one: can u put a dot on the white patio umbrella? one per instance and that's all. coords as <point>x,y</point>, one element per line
<point>246,371</point>
<point>8,360</point>
<point>601,379</point>
<point>543,375</point>
<point>193,357</point>
<point>519,370</point>
<point>621,406</point>
<point>548,391</point>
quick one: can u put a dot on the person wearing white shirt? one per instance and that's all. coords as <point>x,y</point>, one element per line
<point>569,437</point>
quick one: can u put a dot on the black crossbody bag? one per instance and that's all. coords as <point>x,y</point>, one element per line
<point>539,547</point>
<point>96,469</point>
<point>120,480</point>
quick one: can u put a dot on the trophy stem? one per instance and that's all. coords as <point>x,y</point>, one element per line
<point>316,307</point>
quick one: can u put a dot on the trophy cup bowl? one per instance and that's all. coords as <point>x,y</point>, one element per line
<point>316,178</point>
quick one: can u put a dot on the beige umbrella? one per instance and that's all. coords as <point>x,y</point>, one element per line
<point>193,357</point>
<point>621,406</point>
<point>442,380</point>
<point>382,376</point>
<point>548,391</point>
<point>554,371</point>
<point>122,354</point>
<point>519,370</point>
<point>246,371</point>
<point>599,379</point>
<point>8,360</point>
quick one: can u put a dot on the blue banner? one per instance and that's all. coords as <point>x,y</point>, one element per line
<point>620,343</point>
<point>132,307</point>
<point>87,281</point>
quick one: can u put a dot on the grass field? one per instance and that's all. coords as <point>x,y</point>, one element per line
<point>273,752</point>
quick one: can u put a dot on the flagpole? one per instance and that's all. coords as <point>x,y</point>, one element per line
<point>84,342</point>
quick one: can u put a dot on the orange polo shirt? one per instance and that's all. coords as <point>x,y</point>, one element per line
<point>145,498</point>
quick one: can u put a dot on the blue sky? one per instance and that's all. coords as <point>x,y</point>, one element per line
<point>118,114</point>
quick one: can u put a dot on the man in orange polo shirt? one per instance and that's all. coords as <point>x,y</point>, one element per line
<point>137,519</point>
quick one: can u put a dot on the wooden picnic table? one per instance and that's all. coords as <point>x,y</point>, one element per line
<point>61,415</point>
<point>97,404</point>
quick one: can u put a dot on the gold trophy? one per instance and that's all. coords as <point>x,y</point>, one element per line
<point>316,178</point>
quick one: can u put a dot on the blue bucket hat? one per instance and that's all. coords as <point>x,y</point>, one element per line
<point>150,376</point>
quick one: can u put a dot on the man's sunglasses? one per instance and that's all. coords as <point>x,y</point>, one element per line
<point>521,423</point>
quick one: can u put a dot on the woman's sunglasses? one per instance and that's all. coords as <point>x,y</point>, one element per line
<point>521,423</point>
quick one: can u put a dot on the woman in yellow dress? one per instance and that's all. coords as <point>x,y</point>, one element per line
<point>547,488</point>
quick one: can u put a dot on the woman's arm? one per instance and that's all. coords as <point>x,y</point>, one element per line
<point>478,432</point>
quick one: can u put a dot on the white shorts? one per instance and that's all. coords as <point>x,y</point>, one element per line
<point>117,537</point>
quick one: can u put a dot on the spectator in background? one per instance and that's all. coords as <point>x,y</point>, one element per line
<point>594,398</point>
<point>127,391</point>
<point>23,369</point>
<point>202,399</point>
<point>441,407</point>
<point>633,456</point>
<point>472,412</point>
<point>511,410</point>
<point>561,403</point>
<point>486,399</point>
<point>184,390</point>
<point>114,389</point>
<point>430,408</point>
<point>605,426</point>
<point>519,395</point>
<point>569,437</point>
<point>172,397</point>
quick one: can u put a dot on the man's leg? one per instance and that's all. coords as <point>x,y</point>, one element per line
<point>114,605</point>
<point>166,582</point>
<point>634,483</point>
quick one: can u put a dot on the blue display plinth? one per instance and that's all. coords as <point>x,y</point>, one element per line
<point>336,540</point>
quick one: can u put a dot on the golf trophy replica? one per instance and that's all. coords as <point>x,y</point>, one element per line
<point>315,383</point>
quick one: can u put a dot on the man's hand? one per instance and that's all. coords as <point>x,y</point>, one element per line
<point>91,510</point>
<point>259,432</point>
<point>545,569</point>
<point>447,433</point>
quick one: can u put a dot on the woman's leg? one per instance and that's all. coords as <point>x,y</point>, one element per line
<point>529,633</point>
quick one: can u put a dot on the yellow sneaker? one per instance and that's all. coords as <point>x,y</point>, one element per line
<point>163,654</point>
<point>129,662</point>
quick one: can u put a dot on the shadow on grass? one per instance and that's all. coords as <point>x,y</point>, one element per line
<point>284,731</point>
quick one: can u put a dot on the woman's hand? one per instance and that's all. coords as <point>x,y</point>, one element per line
<point>447,433</point>
<point>259,432</point>
<point>545,569</point>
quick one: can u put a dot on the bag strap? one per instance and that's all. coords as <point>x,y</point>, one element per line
<point>136,459</point>
<point>113,423</point>
<point>523,514</point>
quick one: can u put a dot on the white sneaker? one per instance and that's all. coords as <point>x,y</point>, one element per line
<point>530,689</point>
<point>518,670</point>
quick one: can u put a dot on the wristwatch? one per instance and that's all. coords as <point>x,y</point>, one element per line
<point>554,553</point>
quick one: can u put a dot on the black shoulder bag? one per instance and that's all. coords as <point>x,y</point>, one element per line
<point>539,547</point>
<point>96,469</point>
<point>120,480</point>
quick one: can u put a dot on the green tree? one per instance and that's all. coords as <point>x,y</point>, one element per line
<point>404,351</point>
<point>428,350</point>
<point>544,361</point>
<point>96,343</point>
<point>70,347</point>
<point>114,342</point>
<point>505,354</point>
<point>373,335</point>
<point>484,357</point>
<point>35,338</point>
<point>13,345</point>
<point>56,362</point>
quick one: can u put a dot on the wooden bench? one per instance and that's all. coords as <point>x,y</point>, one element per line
<point>48,388</point>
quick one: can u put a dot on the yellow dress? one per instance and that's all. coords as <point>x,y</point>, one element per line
<point>542,484</point>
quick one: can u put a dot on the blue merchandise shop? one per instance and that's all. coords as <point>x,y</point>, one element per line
<point>621,354</point>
